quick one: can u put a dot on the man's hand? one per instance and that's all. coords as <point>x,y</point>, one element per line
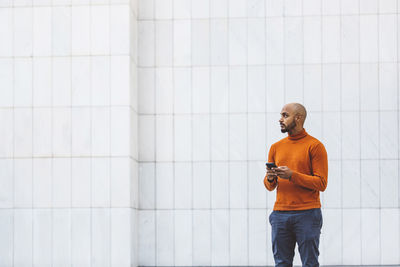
<point>283,172</point>
<point>271,174</point>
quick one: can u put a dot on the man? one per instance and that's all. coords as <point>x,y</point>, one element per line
<point>301,173</point>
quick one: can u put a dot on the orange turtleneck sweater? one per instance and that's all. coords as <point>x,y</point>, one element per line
<point>307,158</point>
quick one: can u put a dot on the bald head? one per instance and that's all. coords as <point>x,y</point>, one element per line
<point>298,110</point>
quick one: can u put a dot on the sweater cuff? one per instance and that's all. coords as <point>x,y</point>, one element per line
<point>294,176</point>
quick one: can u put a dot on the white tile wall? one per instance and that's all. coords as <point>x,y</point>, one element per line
<point>183,240</point>
<point>23,31</point>
<point>369,38</point>
<point>294,84</point>
<point>351,177</point>
<point>330,37</point>
<point>352,236</point>
<point>23,82</point>
<point>164,43</point>
<point>219,40</point>
<point>370,239</point>
<point>23,132</point>
<point>256,35</point>
<point>350,31</point>
<point>369,85</point>
<point>220,190</point>
<point>257,236</point>
<point>164,180</point>
<point>69,183</point>
<point>256,83</point>
<point>234,65</point>
<point>184,188</point>
<point>147,237</point>
<point>238,238</point>
<point>312,39</point>
<point>201,237</point>
<point>350,88</point>
<point>120,81</point>
<point>7,194</point>
<point>119,27</point>
<point>200,9</point>
<point>164,237</point>
<point>182,42</point>
<point>389,236</point>
<point>212,78</point>
<point>101,237</point>
<point>201,184</point>
<point>331,236</point>
<point>238,186</point>
<point>200,90</point>
<point>237,40</point>
<point>387,36</point>
<point>256,172</point>
<point>120,237</point>
<point>23,181</point>
<point>370,190</point>
<point>42,183</point>
<point>200,39</point>
<point>7,231</point>
<point>182,9</point>
<point>23,237</point>
<point>333,197</point>
<point>219,89</point>
<point>164,93</point>
<point>201,137</point>
<point>42,238</point>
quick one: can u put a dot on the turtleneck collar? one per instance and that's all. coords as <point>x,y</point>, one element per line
<point>298,136</point>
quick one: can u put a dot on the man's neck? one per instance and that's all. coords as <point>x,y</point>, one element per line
<point>295,131</point>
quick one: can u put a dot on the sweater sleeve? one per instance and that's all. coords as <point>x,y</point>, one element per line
<point>271,158</point>
<point>319,162</point>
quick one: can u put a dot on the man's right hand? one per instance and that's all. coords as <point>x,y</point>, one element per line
<point>271,174</point>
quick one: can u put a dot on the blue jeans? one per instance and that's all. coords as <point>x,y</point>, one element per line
<point>289,227</point>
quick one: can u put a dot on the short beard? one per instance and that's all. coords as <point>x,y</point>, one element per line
<point>289,127</point>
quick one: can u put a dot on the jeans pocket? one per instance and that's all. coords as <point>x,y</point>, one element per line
<point>317,215</point>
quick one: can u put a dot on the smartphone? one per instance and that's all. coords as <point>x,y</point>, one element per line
<point>271,165</point>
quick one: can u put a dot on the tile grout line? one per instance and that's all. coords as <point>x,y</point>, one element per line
<point>52,140</point>
<point>173,140</point>
<point>398,119</point>
<point>32,139</point>
<point>228,50</point>
<point>192,134</point>
<point>379,134</point>
<point>110,139</point>
<point>284,66</point>
<point>247,137</point>
<point>360,123</point>
<point>70,152</point>
<point>209,21</point>
<point>195,65</point>
<point>91,139</point>
<point>341,128</point>
<point>13,136</point>
<point>155,136</point>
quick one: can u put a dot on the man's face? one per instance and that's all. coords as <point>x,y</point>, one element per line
<point>287,120</point>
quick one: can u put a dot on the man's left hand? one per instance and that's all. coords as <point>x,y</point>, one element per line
<point>284,172</point>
